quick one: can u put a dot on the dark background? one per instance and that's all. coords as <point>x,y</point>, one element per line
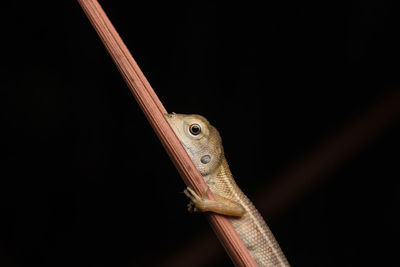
<point>85,181</point>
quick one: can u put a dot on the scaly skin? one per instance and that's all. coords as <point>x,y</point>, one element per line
<point>204,146</point>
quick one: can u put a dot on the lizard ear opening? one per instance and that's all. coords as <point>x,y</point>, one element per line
<point>205,159</point>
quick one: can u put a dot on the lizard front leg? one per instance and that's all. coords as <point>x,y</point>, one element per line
<point>222,205</point>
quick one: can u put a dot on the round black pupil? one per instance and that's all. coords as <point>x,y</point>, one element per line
<point>195,129</point>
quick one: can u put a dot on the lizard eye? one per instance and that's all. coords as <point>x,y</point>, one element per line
<point>195,129</point>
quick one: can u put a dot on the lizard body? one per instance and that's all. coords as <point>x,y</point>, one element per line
<point>204,146</point>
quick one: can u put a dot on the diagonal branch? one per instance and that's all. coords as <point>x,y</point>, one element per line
<point>154,111</point>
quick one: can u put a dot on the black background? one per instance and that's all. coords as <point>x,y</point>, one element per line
<point>85,181</point>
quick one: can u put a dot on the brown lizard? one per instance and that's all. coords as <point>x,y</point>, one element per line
<point>204,145</point>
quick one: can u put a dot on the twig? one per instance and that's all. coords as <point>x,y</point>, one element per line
<point>154,110</point>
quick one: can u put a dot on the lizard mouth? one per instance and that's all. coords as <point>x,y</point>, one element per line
<point>187,148</point>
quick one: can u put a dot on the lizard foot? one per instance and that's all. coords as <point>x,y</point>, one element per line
<point>192,195</point>
<point>192,207</point>
<point>222,205</point>
<point>197,203</point>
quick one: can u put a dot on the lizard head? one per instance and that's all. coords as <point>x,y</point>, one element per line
<point>200,139</point>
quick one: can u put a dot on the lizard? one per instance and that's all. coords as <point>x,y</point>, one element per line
<point>203,144</point>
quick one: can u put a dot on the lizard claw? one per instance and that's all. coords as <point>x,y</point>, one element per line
<point>192,207</point>
<point>196,201</point>
<point>192,195</point>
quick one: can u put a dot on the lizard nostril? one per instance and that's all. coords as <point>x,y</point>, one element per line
<point>205,159</point>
